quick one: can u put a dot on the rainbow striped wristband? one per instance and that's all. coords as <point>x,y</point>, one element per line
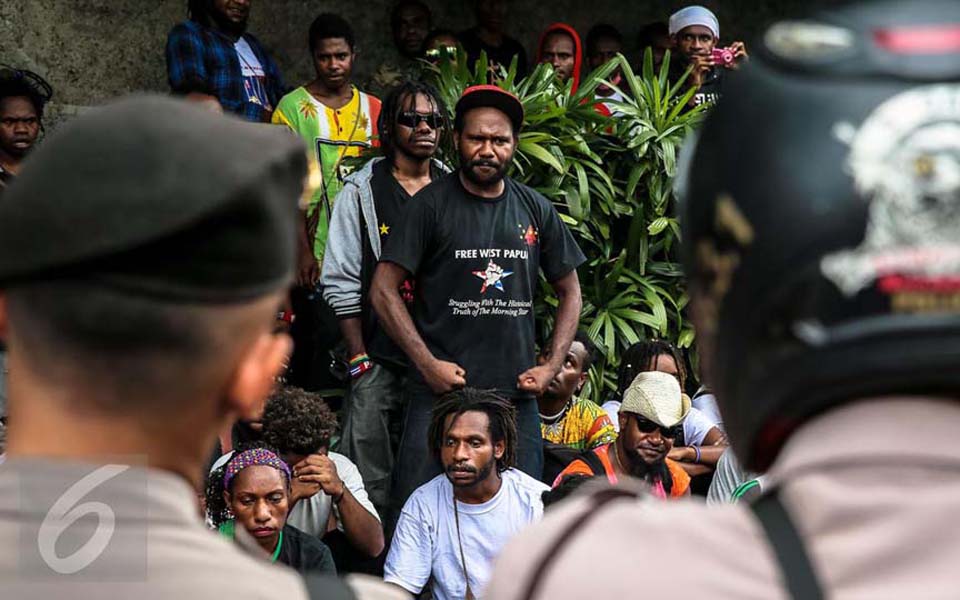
<point>359,365</point>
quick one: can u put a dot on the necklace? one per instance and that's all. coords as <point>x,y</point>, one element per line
<point>554,419</point>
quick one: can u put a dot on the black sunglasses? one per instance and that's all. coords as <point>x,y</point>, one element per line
<point>648,426</point>
<point>412,119</point>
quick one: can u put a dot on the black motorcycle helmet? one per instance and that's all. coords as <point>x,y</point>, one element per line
<point>821,216</point>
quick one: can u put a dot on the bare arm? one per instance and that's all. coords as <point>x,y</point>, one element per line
<point>567,289</point>
<point>361,528</point>
<point>714,443</point>
<point>352,331</point>
<point>440,375</point>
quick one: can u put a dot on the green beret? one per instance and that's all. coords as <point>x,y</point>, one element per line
<point>157,197</point>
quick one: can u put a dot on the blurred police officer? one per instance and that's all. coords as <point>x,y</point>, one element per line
<point>144,251</point>
<point>823,249</point>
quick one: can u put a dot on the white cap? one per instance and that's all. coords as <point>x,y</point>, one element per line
<point>656,396</point>
<point>694,15</point>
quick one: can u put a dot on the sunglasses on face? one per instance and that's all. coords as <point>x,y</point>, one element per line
<point>412,119</point>
<point>648,426</point>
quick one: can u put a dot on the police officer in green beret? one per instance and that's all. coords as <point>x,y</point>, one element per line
<point>144,251</point>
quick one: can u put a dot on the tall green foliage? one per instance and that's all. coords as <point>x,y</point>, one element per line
<point>611,181</point>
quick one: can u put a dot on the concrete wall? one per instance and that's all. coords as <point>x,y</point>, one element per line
<point>91,50</point>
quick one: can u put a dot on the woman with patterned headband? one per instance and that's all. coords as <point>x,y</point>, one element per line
<point>252,492</point>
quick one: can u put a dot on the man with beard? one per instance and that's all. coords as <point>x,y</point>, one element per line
<point>454,526</point>
<point>212,58</point>
<point>475,242</point>
<point>367,212</point>
<point>22,97</point>
<point>651,417</point>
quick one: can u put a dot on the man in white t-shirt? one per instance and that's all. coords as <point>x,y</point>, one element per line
<point>454,526</point>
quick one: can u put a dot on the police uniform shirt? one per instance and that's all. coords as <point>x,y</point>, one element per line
<point>874,510</point>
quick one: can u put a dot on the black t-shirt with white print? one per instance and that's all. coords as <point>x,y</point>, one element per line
<point>476,263</point>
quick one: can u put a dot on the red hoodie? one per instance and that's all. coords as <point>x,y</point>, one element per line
<point>577,49</point>
<point>577,59</point>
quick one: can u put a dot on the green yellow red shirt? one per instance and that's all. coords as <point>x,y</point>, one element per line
<point>584,425</point>
<point>330,135</point>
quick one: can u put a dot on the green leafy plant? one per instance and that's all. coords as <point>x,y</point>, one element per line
<point>611,181</point>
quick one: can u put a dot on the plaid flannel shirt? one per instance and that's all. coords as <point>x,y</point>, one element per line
<point>200,59</point>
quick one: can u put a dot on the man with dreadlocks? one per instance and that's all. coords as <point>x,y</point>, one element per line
<point>453,526</point>
<point>211,57</point>
<point>23,95</point>
<point>366,212</point>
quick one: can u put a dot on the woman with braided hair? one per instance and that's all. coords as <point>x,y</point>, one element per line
<point>252,491</point>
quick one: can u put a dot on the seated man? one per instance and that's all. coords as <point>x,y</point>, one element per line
<point>701,442</point>
<point>453,526</point>
<point>651,417</point>
<point>564,418</point>
<point>732,484</point>
<point>327,491</point>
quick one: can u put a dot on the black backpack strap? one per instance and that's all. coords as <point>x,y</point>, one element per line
<point>798,573</point>
<point>597,501</point>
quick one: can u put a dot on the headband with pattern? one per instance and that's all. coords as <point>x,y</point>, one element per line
<point>250,458</point>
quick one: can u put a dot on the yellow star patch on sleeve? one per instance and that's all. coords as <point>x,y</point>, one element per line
<point>384,229</point>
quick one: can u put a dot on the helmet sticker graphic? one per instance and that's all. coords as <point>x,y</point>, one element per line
<point>905,161</point>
